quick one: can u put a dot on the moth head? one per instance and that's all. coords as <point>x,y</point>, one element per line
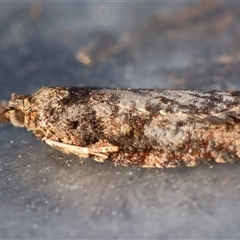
<point>15,112</point>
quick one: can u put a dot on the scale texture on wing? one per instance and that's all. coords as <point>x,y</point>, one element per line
<point>150,128</point>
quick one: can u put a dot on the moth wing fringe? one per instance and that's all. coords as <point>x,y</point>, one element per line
<point>229,116</point>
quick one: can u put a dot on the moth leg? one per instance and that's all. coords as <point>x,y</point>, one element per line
<point>100,157</point>
<point>101,149</point>
<point>97,153</point>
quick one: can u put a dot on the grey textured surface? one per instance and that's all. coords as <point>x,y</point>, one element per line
<point>46,194</point>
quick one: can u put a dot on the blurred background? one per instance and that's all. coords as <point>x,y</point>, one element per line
<point>183,45</point>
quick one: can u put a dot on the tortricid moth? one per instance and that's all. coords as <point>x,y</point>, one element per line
<point>143,127</point>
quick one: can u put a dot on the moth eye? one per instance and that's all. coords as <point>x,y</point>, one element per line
<point>17,118</point>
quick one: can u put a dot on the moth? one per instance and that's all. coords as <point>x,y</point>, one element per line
<point>143,127</point>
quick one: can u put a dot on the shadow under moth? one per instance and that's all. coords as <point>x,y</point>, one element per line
<point>143,127</point>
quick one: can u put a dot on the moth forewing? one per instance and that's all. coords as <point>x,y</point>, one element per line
<point>144,127</point>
